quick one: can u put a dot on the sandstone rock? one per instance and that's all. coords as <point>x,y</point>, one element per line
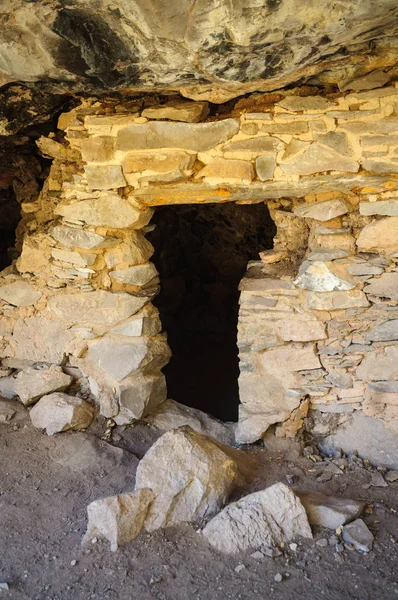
<point>337,140</point>
<point>273,256</point>
<point>385,286</point>
<point>379,236</point>
<point>59,412</point>
<point>329,511</point>
<point>265,167</point>
<point>108,211</point>
<point>35,254</point>
<point>104,177</point>
<point>361,269</point>
<point>139,395</point>
<point>317,158</point>
<point>187,136</point>
<point>220,170</point>
<point>139,275</point>
<point>118,519</point>
<point>320,276</point>
<point>101,307</point>
<point>266,518</point>
<point>305,103</point>
<point>31,384</point>
<point>270,390</point>
<point>326,254</point>
<point>367,436</point>
<point>188,112</point>
<point>134,250</point>
<point>146,322</point>
<point>384,332</point>
<point>7,410</point>
<point>39,339</point>
<point>387,208</point>
<point>19,293</point>
<point>336,300</point>
<point>323,211</point>
<point>191,475</point>
<point>292,128</point>
<point>171,415</point>
<point>97,149</point>
<point>380,364</point>
<point>358,535</point>
<point>374,79</point>
<point>80,238</point>
<point>150,165</point>
<point>80,260</point>
<point>122,356</point>
<point>256,145</point>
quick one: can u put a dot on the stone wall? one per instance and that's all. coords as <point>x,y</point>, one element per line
<point>312,332</point>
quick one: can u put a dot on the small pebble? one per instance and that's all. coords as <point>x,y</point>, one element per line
<point>239,568</point>
<point>4,586</point>
<point>257,555</point>
<point>73,563</point>
<point>94,540</point>
<point>322,542</point>
<point>293,547</point>
<point>278,578</point>
<point>391,476</point>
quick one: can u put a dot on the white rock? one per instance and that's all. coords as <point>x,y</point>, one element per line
<point>31,384</point>
<point>320,276</point>
<point>329,511</point>
<point>191,475</point>
<point>139,275</point>
<point>171,414</point>
<point>80,238</point>
<point>7,387</point>
<point>323,211</point>
<point>121,356</point>
<point>19,293</point>
<point>118,519</point>
<point>358,534</point>
<point>146,322</point>
<point>265,518</point>
<point>60,412</point>
<point>139,395</point>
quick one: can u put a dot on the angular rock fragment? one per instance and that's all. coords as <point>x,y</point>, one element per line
<point>265,518</point>
<point>317,158</point>
<point>118,519</point>
<point>336,300</point>
<point>144,323</point>
<point>139,395</point>
<point>384,332</point>
<point>171,414</point>
<point>388,208</point>
<point>380,364</point>
<point>31,384</point>
<point>305,103</point>
<point>326,254</point>
<point>329,511</point>
<point>138,275</point>
<point>265,167</point>
<point>108,211</point>
<point>319,276</point>
<point>385,286</point>
<point>80,238</point>
<point>191,475</point>
<point>379,236</point>
<point>358,535</point>
<point>221,170</point>
<point>59,412</point>
<point>19,293</point>
<point>188,112</point>
<point>323,211</point>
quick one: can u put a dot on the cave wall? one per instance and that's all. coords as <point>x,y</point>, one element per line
<point>311,327</point>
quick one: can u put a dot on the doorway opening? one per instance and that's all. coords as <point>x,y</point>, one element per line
<point>201,253</point>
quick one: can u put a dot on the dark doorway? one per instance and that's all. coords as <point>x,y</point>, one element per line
<point>201,253</point>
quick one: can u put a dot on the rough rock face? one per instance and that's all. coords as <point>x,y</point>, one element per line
<point>215,52</point>
<point>264,518</point>
<point>191,475</point>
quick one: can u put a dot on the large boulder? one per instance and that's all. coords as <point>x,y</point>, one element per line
<point>192,477</point>
<point>265,518</point>
<point>118,519</point>
<point>60,412</point>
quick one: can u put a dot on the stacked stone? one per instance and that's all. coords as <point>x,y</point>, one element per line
<point>326,339</point>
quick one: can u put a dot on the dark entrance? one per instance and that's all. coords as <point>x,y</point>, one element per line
<point>201,253</point>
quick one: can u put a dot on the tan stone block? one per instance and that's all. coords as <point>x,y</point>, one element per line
<point>104,177</point>
<point>98,149</point>
<point>379,236</point>
<point>157,162</point>
<point>336,300</point>
<point>323,211</point>
<point>317,158</point>
<point>35,254</point>
<point>221,170</point>
<point>188,112</point>
<point>305,103</point>
<point>108,211</point>
<point>256,145</point>
<point>133,250</point>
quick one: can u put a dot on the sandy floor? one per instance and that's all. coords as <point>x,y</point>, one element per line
<point>46,484</point>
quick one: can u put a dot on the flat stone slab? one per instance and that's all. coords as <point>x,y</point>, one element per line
<point>19,293</point>
<point>382,207</point>
<point>323,211</point>
<point>384,332</point>
<point>358,535</point>
<point>385,286</point>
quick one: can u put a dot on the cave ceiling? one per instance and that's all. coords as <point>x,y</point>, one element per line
<point>203,49</point>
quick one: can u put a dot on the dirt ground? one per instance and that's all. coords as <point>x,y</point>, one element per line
<point>46,484</point>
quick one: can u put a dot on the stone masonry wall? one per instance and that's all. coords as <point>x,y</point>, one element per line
<point>312,328</point>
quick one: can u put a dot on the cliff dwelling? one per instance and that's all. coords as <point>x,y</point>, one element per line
<point>198,299</point>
